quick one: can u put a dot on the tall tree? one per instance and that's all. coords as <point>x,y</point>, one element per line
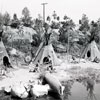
<point>15,22</point>
<point>66,26</point>
<point>66,17</point>
<point>39,17</point>
<point>25,13</point>
<point>55,24</point>
<point>6,18</point>
<point>26,19</point>
<point>48,18</point>
<point>84,22</point>
<point>1,26</point>
<point>1,19</point>
<point>38,26</point>
<point>58,18</point>
<point>15,17</point>
<point>95,31</point>
<point>54,15</point>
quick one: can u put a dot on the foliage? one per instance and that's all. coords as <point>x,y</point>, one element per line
<point>40,17</point>
<point>27,22</point>
<point>15,17</point>
<point>66,17</point>
<point>15,22</point>
<point>6,19</point>
<point>48,18</point>
<point>68,34</point>
<point>95,31</point>
<point>1,24</point>
<point>36,40</point>
<point>26,19</point>
<point>54,15</point>
<point>55,25</point>
<point>90,34</point>
<point>25,12</point>
<point>67,25</point>
<point>1,19</point>
<point>84,22</point>
<point>38,26</point>
<point>55,22</point>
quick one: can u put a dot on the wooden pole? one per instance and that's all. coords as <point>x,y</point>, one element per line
<point>44,11</point>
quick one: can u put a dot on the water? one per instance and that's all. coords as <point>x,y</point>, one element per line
<point>79,92</point>
<point>75,90</point>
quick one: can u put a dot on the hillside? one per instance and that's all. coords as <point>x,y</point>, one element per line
<point>22,33</point>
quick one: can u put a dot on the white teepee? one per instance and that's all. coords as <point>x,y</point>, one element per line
<point>91,52</point>
<point>3,52</point>
<point>45,52</point>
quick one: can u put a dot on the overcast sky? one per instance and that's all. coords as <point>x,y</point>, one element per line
<point>72,8</point>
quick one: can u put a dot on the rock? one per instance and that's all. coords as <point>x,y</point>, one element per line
<point>7,89</point>
<point>39,90</point>
<point>18,90</point>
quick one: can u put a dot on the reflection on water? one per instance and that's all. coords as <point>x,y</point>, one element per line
<point>90,89</point>
<point>86,89</point>
<point>67,91</point>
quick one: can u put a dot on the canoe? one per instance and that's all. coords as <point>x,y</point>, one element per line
<point>53,82</point>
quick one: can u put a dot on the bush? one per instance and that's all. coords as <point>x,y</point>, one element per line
<point>14,25</point>
<point>36,40</point>
<point>21,45</point>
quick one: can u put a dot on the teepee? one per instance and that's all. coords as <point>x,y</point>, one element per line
<point>45,52</point>
<point>91,52</point>
<point>3,52</point>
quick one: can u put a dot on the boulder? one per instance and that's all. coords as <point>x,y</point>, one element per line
<point>18,90</point>
<point>7,89</point>
<point>39,90</point>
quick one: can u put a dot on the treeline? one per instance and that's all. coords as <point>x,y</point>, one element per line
<point>80,35</point>
<point>25,20</point>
